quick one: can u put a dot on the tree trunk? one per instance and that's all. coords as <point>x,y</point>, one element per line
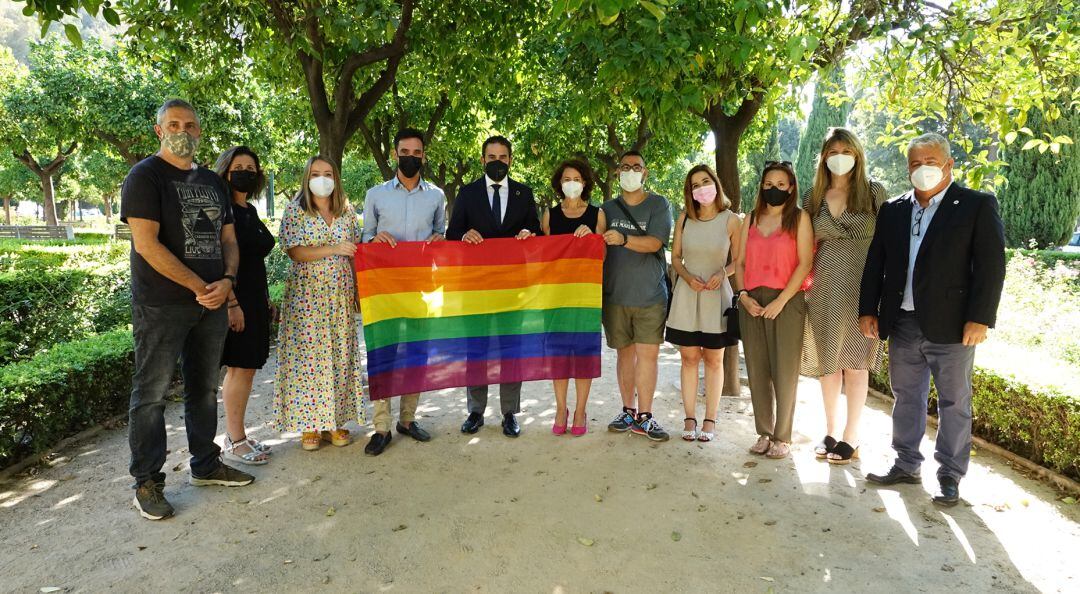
<point>7,210</point>
<point>48,203</point>
<point>108,209</point>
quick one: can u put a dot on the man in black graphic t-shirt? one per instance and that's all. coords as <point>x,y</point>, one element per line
<point>183,266</point>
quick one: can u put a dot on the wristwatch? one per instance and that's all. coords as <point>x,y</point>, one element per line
<point>231,278</point>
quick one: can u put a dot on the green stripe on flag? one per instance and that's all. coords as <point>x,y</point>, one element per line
<point>535,321</point>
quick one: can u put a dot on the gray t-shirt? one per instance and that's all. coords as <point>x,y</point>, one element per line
<point>631,278</point>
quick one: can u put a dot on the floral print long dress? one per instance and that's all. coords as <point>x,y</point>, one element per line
<point>318,386</point>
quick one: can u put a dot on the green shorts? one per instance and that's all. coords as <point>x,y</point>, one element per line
<point>624,325</point>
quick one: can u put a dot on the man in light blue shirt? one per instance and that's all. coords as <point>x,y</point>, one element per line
<point>920,222</point>
<point>406,208</point>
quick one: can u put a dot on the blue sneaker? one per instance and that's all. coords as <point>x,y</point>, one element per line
<point>623,421</point>
<point>646,425</point>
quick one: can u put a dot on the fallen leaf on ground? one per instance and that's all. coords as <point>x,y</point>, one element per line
<point>750,464</point>
<point>676,536</point>
<point>331,511</point>
<point>764,480</point>
<point>702,507</point>
<point>650,486</point>
<point>879,509</point>
<point>766,578</point>
<point>598,498</point>
<point>948,568</point>
<point>1069,501</point>
<point>399,528</point>
<point>695,495</point>
<point>585,541</point>
<point>770,522</point>
<point>51,589</point>
<point>288,562</point>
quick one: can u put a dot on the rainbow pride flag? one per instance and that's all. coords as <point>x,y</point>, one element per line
<point>449,314</point>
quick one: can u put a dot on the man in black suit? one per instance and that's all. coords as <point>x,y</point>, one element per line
<point>490,207</point>
<point>931,286</point>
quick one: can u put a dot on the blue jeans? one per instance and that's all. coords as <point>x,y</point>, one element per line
<point>912,361</point>
<point>163,334</point>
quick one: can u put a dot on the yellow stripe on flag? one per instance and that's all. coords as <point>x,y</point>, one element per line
<point>440,304</point>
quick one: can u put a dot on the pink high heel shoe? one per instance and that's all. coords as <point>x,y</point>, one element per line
<point>560,429</point>
<point>578,431</point>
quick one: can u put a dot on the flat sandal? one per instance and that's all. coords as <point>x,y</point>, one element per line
<point>843,453</point>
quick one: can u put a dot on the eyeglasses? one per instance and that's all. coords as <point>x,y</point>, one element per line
<point>916,227</point>
<point>780,163</point>
<point>634,168</point>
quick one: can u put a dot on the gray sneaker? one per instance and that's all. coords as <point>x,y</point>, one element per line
<point>225,475</point>
<point>623,421</point>
<point>646,425</point>
<point>150,501</point>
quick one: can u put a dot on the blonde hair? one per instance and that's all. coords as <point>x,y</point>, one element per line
<point>690,205</point>
<point>338,201</point>
<point>860,198</point>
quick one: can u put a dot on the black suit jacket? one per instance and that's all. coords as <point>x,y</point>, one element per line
<point>959,270</point>
<point>473,211</point>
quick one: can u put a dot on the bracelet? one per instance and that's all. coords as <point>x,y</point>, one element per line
<point>625,239</point>
<point>234,305</point>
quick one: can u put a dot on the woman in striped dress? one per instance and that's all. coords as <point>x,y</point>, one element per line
<point>843,205</point>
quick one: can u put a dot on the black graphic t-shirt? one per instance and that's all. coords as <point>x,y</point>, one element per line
<point>191,206</point>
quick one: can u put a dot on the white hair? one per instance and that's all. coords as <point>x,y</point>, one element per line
<point>177,103</point>
<point>931,139</point>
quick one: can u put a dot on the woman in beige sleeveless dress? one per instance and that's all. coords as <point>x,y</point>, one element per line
<point>704,235</point>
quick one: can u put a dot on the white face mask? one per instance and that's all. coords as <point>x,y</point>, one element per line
<point>572,189</point>
<point>321,186</point>
<point>630,181</point>
<point>926,177</point>
<point>840,164</point>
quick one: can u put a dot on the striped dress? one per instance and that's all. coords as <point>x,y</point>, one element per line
<point>832,340</point>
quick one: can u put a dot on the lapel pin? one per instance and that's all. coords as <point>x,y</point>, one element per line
<point>956,202</point>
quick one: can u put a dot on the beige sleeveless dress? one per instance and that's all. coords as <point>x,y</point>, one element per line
<point>697,319</point>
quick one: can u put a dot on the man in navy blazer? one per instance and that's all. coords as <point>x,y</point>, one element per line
<point>931,286</point>
<point>491,207</point>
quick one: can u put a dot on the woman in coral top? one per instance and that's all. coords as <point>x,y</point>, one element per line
<point>771,272</point>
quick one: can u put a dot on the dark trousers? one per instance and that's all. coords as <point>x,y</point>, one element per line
<point>509,398</point>
<point>912,361</point>
<point>164,334</point>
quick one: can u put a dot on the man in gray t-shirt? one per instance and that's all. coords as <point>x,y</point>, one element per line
<point>635,295</point>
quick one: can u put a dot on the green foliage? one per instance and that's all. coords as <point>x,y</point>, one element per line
<point>50,295</point>
<point>1040,307</point>
<point>1040,203</point>
<point>831,108</point>
<point>62,391</point>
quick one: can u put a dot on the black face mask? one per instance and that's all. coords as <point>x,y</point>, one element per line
<point>243,181</point>
<point>775,196</point>
<point>409,165</point>
<point>496,170</point>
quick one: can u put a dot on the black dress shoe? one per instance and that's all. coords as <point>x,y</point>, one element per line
<point>472,424</point>
<point>895,476</point>
<point>949,493</point>
<point>415,431</point>
<point>378,443</point>
<point>510,425</point>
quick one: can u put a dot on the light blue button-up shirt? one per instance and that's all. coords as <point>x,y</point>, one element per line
<point>407,215</point>
<point>908,303</point>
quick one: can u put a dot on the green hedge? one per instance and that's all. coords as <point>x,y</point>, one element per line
<point>1040,425</point>
<point>62,391</point>
<point>40,308</point>
<point>1048,257</point>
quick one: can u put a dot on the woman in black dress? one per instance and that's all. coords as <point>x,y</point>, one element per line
<point>247,345</point>
<point>572,183</point>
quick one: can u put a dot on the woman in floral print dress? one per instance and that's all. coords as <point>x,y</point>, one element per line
<point>318,374</point>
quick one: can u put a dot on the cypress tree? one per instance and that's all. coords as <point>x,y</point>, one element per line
<point>823,115</point>
<point>1040,202</point>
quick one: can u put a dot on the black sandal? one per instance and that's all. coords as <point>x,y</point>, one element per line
<point>826,447</point>
<point>844,453</point>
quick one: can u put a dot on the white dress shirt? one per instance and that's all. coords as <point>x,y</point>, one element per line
<point>504,194</point>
